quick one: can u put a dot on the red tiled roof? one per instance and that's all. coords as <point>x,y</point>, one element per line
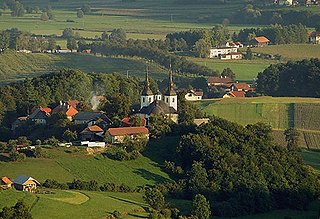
<point>6,180</point>
<point>94,128</point>
<point>71,111</point>
<point>128,131</point>
<point>199,93</point>
<point>242,86</point>
<point>262,39</point>
<point>126,121</point>
<point>219,80</point>
<point>46,109</point>
<point>73,103</point>
<point>237,93</point>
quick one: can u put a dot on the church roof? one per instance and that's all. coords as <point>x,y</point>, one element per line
<point>170,91</point>
<point>158,107</point>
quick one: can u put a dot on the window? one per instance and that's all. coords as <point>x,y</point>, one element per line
<point>149,99</point>
<point>172,100</point>
<point>143,100</point>
<point>167,99</point>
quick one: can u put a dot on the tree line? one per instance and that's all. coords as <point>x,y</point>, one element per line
<point>291,79</point>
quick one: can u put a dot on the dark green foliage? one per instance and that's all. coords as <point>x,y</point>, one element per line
<point>39,153</point>
<point>154,198</point>
<point>242,171</point>
<point>202,48</point>
<point>17,9</point>
<point>293,79</point>
<point>86,9</point>
<point>91,185</point>
<point>53,184</point>
<point>159,125</point>
<point>292,138</point>
<point>201,207</point>
<point>80,14</point>
<point>19,211</point>
<point>227,72</point>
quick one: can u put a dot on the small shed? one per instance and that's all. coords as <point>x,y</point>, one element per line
<point>25,183</point>
<point>5,182</point>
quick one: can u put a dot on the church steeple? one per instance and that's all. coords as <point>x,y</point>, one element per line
<point>171,95</point>
<point>146,95</point>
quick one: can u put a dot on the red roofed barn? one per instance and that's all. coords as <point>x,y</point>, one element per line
<point>117,135</point>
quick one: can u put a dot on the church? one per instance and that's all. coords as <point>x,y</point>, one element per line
<point>157,103</point>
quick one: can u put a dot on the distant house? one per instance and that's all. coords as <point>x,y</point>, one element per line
<point>193,95</point>
<point>314,38</point>
<point>217,52</point>
<point>260,41</point>
<point>232,44</point>
<point>92,133</point>
<point>234,94</point>
<point>18,122</point>
<point>125,122</point>
<point>68,109</point>
<point>91,118</point>
<point>230,56</point>
<point>219,81</point>
<point>40,115</point>
<point>242,86</point>
<point>25,183</point>
<point>117,135</point>
<point>5,182</point>
<point>201,121</point>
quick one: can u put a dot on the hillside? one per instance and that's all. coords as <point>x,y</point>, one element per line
<point>17,66</point>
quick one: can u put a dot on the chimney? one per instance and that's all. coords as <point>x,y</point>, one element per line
<point>60,103</point>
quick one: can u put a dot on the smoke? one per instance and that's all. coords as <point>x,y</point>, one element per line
<point>94,101</point>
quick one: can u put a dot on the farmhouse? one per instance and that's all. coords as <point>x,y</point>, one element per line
<point>314,38</point>
<point>92,133</point>
<point>40,115</point>
<point>5,182</point>
<point>260,41</point>
<point>68,109</point>
<point>242,86</point>
<point>193,95</point>
<point>219,81</point>
<point>217,52</point>
<point>234,94</point>
<point>157,104</point>
<point>90,118</point>
<point>117,135</point>
<point>25,183</point>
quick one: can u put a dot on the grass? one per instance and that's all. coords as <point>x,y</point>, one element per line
<point>76,204</point>
<point>245,70</point>
<point>312,158</point>
<point>65,167</point>
<point>292,51</point>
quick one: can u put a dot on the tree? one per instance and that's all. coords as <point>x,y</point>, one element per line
<point>80,14</point>
<point>159,125</point>
<point>292,138</point>
<point>44,16</point>
<point>39,153</point>
<point>4,40</point>
<point>71,43</point>
<point>17,9</point>
<point>69,135</point>
<point>201,207</point>
<point>249,54</point>
<point>154,198</point>
<point>68,33</point>
<point>118,35</point>
<point>4,6</point>
<point>227,72</point>
<point>202,48</point>
<point>86,9</point>
<point>198,179</point>
<point>19,211</point>
<point>52,44</point>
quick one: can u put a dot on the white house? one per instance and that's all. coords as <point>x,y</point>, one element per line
<point>314,38</point>
<point>194,95</point>
<point>217,52</point>
<point>233,55</point>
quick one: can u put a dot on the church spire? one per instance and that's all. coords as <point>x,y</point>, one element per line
<point>170,91</point>
<point>146,90</point>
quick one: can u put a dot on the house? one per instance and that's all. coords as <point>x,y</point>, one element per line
<point>234,94</point>
<point>25,183</point>
<point>159,104</point>
<point>117,135</point>
<point>193,95</point>
<point>40,115</point>
<point>242,86</point>
<point>260,41</point>
<point>91,118</point>
<point>18,122</point>
<point>125,122</point>
<point>232,44</point>
<point>314,38</point>
<point>5,182</point>
<point>68,109</point>
<point>219,81</point>
<point>92,133</point>
<point>217,52</point>
<point>284,2</point>
<point>233,55</point>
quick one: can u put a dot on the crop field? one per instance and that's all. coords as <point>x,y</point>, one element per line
<point>292,51</point>
<point>280,113</point>
<point>245,70</point>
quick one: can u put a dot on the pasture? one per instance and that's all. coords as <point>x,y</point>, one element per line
<point>291,51</point>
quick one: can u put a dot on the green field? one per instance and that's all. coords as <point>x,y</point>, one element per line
<point>17,66</point>
<point>245,70</point>
<point>278,112</point>
<point>292,51</point>
<point>65,167</point>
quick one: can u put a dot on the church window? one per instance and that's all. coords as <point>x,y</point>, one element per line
<point>149,99</point>
<point>143,99</point>
<point>167,99</point>
<point>172,100</point>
